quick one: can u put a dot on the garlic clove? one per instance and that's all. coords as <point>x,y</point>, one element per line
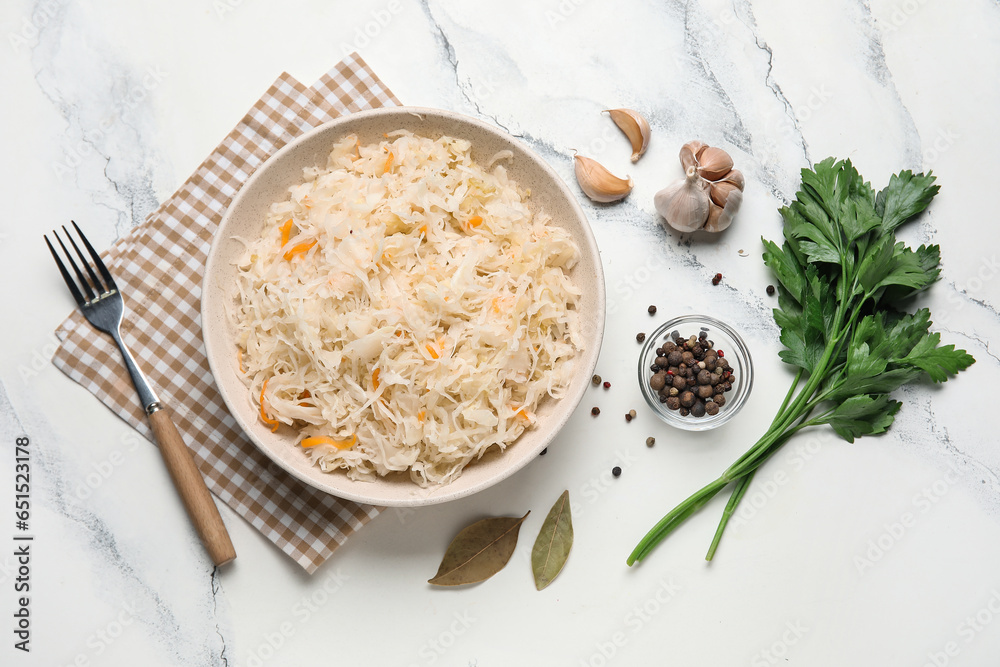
<point>598,183</point>
<point>714,163</point>
<point>735,176</point>
<point>685,203</point>
<point>635,127</point>
<point>719,218</point>
<point>720,191</point>
<point>689,154</point>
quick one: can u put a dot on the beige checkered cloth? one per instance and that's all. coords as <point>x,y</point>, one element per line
<point>159,266</point>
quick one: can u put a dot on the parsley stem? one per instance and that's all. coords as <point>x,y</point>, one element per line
<point>738,492</point>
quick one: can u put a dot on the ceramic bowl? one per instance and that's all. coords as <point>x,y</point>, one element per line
<point>245,218</point>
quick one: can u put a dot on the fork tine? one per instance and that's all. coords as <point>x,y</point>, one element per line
<point>65,274</point>
<point>101,289</point>
<point>98,262</point>
<point>89,293</point>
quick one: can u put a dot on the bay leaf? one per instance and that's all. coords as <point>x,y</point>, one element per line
<point>479,551</point>
<point>553,543</point>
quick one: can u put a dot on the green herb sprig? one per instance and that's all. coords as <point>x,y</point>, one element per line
<point>842,281</point>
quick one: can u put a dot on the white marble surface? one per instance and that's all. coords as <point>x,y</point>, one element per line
<point>118,577</point>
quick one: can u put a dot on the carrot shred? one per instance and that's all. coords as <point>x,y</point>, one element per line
<point>431,351</point>
<point>326,440</point>
<point>299,248</point>
<point>388,163</point>
<point>273,423</point>
<point>421,415</point>
<point>375,382</point>
<point>286,231</point>
<point>475,221</point>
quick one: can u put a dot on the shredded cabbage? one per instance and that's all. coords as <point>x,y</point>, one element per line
<point>406,309</point>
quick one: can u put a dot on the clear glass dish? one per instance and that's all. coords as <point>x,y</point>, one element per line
<point>734,351</point>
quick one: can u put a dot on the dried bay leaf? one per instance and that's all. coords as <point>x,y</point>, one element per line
<point>479,551</point>
<point>553,543</point>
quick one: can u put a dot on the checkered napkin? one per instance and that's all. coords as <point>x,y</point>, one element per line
<point>160,264</point>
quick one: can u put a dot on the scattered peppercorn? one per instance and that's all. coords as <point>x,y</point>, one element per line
<point>630,415</point>
<point>616,471</point>
<point>651,310</point>
<point>596,380</point>
<point>607,385</point>
<point>639,337</point>
<point>544,451</point>
<point>595,411</point>
<point>717,279</point>
<point>650,441</point>
<point>770,290</point>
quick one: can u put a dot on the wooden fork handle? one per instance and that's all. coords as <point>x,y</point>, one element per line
<point>191,485</point>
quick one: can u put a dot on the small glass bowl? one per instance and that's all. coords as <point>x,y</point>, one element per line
<point>725,339</point>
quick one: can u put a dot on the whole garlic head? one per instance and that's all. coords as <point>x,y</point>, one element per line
<point>684,204</point>
<point>710,194</point>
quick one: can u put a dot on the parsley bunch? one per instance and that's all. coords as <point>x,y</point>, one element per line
<point>843,279</point>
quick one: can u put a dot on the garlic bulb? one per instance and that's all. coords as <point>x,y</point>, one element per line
<point>685,203</point>
<point>635,127</point>
<point>598,183</point>
<point>710,195</point>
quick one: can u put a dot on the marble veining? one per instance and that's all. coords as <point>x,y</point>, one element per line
<point>780,84</point>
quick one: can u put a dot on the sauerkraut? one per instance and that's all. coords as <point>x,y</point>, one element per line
<point>406,309</point>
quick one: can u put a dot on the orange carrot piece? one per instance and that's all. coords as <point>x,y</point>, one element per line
<point>375,382</point>
<point>388,163</point>
<point>299,248</point>
<point>286,231</point>
<point>475,221</point>
<point>273,423</point>
<point>326,440</point>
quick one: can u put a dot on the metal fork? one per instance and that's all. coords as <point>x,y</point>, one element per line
<point>102,304</point>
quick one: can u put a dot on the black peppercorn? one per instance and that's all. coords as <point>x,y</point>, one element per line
<point>639,337</point>
<point>651,310</point>
<point>616,471</point>
<point>595,411</point>
<point>770,290</point>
